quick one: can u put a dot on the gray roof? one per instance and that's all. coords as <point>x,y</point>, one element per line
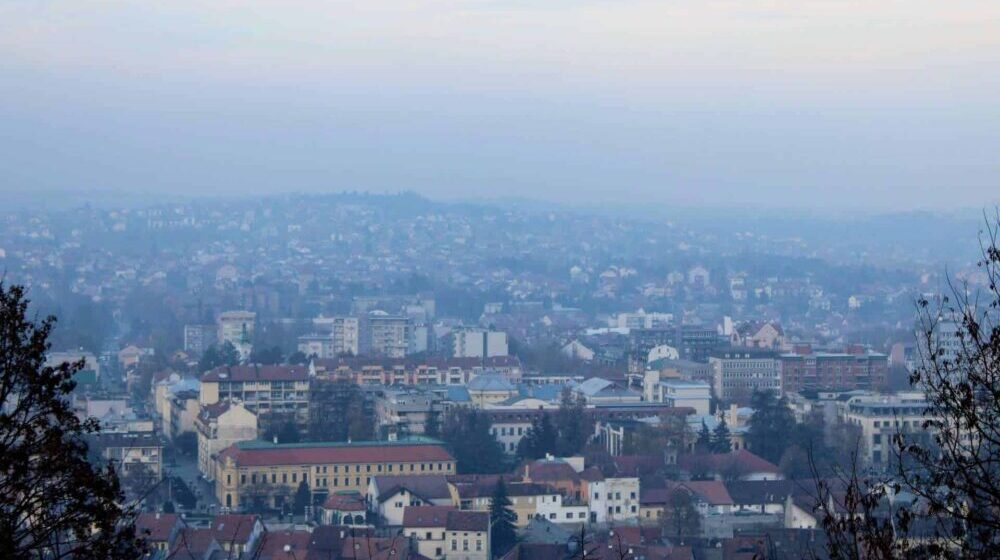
<point>489,382</point>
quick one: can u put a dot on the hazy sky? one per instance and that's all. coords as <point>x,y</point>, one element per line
<point>797,103</point>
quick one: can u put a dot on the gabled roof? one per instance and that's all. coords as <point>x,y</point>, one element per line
<point>427,487</point>
<point>468,521</point>
<point>283,545</point>
<point>193,544</point>
<point>490,382</point>
<point>712,491</point>
<point>544,470</point>
<point>741,459</point>
<point>426,516</point>
<point>156,526</point>
<point>234,527</point>
<point>345,501</point>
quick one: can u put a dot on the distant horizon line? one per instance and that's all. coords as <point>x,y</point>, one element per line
<point>602,206</point>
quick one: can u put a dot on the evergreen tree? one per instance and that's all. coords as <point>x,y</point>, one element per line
<point>502,517</point>
<point>721,442</point>
<point>467,433</point>
<point>540,439</point>
<point>302,498</point>
<point>228,355</point>
<point>771,425</point>
<point>55,503</point>
<point>572,424</point>
<point>432,428</point>
<point>704,442</point>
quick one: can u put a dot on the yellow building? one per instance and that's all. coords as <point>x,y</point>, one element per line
<point>268,474</point>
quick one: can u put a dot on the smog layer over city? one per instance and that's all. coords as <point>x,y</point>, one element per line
<point>500,280</point>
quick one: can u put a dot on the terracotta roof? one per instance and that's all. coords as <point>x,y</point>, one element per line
<point>544,470</point>
<point>214,410</point>
<point>653,496</point>
<point>426,516</point>
<point>193,544</point>
<point>259,454</point>
<point>592,474</point>
<point>273,545</point>
<point>156,526</point>
<point>468,521</point>
<point>345,501</point>
<point>256,372</point>
<point>712,491</point>
<point>234,527</point>
<point>717,462</point>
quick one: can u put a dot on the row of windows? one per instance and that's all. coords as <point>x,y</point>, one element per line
<point>378,468</point>
<point>617,495</point>
<point>465,545</point>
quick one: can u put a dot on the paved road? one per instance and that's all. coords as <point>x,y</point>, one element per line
<point>186,468</point>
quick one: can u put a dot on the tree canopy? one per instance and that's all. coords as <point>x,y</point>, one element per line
<point>53,502</point>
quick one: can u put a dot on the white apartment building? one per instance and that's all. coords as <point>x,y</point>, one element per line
<point>343,333</point>
<point>681,392</point>
<point>386,335</point>
<point>475,343</point>
<point>614,500</point>
<point>880,417</point>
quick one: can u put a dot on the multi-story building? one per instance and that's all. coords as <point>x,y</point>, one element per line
<point>316,345</point>
<point>273,393</point>
<point>218,426</point>
<point>880,418</point>
<point>476,343</point>
<point>197,338</point>
<point>679,393</point>
<point>446,532</point>
<point>738,372</point>
<point>237,328</point>
<point>510,426</point>
<point>526,498</point>
<point>132,450</point>
<point>386,335</point>
<point>614,500</point>
<point>344,334</point>
<point>184,407</point>
<point>426,371</point>
<point>269,473</point>
<point>401,412</point>
<point>833,371</point>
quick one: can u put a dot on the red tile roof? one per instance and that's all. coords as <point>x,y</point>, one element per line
<point>742,459</point>
<point>712,491</point>
<point>156,526</point>
<point>426,516</point>
<point>256,372</point>
<point>468,521</point>
<point>273,544</point>
<point>261,454</point>
<point>193,544</point>
<point>233,528</point>
<point>345,501</point>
